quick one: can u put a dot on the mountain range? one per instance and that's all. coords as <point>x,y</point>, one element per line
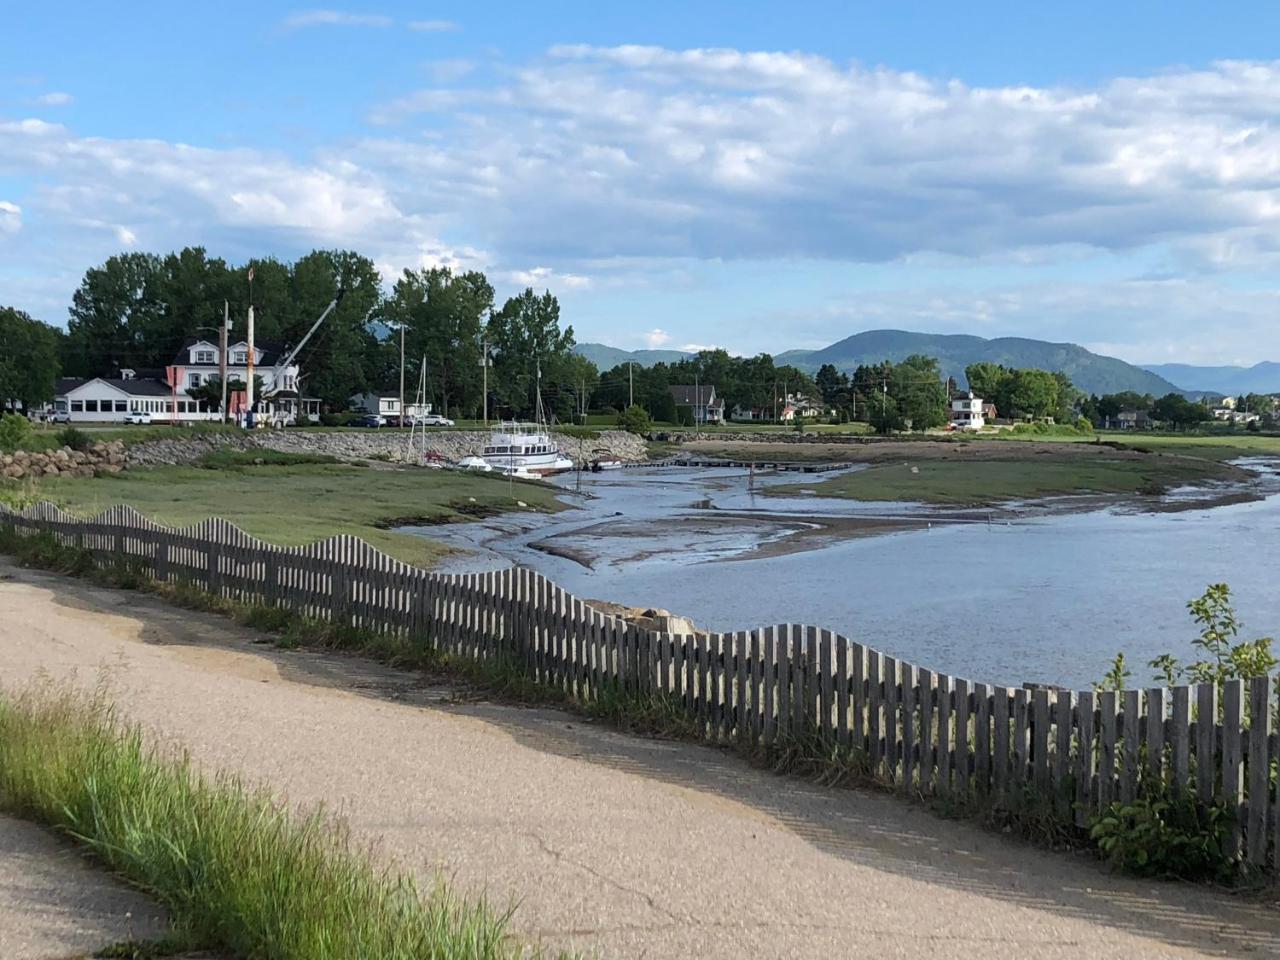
<point>1089,371</point>
<point>1233,381</point>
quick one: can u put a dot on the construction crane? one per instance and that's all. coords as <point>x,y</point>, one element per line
<point>283,365</point>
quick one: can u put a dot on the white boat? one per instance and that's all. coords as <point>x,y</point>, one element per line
<point>514,446</point>
<point>475,463</point>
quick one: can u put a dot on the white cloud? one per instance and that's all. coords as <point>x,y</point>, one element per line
<point>656,338</point>
<point>126,236</point>
<point>546,277</point>
<point>433,26</point>
<point>55,98</point>
<point>10,218</point>
<point>338,18</point>
<point>641,151</point>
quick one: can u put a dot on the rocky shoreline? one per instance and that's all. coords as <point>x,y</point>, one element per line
<point>99,458</point>
<point>350,445</point>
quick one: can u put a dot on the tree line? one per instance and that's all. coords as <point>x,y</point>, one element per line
<point>136,310</point>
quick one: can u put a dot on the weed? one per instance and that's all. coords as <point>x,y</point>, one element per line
<point>237,870</point>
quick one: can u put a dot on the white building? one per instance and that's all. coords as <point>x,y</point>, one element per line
<point>103,400</point>
<point>966,412</point>
<point>199,362</point>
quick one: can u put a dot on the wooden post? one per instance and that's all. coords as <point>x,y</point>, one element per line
<point>1259,769</point>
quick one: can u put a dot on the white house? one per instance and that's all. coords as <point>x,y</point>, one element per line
<point>104,400</point>
<point>200,362</point>
<point>704,406</point>
<point>384,404</point>
<point>966,412</point>
<point>798,405</point>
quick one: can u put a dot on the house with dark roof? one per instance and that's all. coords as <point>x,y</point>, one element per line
<point>701,401</point>
<point>164,393</point>
<point>113,399</point>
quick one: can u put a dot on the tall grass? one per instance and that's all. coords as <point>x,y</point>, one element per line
<point>236,868</point>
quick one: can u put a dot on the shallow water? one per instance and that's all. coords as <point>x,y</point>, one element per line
<point>1049,599</point>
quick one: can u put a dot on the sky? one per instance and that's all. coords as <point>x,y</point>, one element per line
<point>755,176</point>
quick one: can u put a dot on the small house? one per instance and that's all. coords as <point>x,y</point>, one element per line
<point>967,411</point>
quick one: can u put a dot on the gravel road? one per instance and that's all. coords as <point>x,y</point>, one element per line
<point>603,842</point>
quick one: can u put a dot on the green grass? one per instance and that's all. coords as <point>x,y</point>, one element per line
<point>1209,446</point>
<point>46,437</point>
<point>985,482</point>
<point>297,503</point>
<point>237,870</point>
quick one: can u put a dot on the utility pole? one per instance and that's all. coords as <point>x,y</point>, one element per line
<point>248,414</point>
<point>402,374</point>
<point>484,364</point>
<point>222,355</point>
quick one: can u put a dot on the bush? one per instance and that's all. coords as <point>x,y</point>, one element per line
<point>634,419</point>
<point>1084,425</point>
<point>1170,834</point>
<point>15,432</point>
<point>337,419</point>
<point>75,439</point>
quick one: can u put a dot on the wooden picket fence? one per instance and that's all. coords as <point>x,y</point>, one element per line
<point>1071,753</point>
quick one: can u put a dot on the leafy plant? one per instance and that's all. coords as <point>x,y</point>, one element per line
<point>15,432</point>
<point>1169,834</point>
<point>634,419</point>
<point>1223,658</point>
<point>75,439</point>
<point>1116,677</point>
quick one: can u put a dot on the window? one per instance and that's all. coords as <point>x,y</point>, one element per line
<point>77,406</point>
<point>122,406</point>
<point>91,406</point>
<point>193,380</point>
<point>204,356</point>
<point>242,356</point>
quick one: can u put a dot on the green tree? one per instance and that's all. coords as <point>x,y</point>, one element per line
<point>526,339</point>
<point>920,394</point>
<point>634,419</point>
<point>1034,393</point>
<point>991,382</point>
<point>28,361</point>
<point>112,313</point>
<point>1177,411</point>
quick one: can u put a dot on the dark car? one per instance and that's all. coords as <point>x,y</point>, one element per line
<point>368,420</point>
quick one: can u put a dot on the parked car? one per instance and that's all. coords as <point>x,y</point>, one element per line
<point>435,420</point>
<point>141,418</point>
<point>374,420</point>
<point>60,416</point>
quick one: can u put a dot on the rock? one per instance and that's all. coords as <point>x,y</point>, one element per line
<point>51,471</point>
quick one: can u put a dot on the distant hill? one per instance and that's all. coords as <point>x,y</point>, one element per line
<point>606,358</point>
<point>1090,372</point>
<point>1232,381</point>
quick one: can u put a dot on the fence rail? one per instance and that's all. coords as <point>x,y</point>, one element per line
<point>923,731</point>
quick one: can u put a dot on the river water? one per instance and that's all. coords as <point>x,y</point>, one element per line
<point>1049,598</point>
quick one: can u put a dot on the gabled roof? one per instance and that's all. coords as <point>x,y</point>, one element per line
<point>270,352</point>
<point>688,395</point>
<point>134,388</point>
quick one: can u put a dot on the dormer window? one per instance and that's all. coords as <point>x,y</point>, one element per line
<point>204,356</point>
<point>242,356</point>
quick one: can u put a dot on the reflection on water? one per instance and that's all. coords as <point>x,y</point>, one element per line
<point>1049,599</point>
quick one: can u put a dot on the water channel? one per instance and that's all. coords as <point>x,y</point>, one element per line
<point>1045,595</point>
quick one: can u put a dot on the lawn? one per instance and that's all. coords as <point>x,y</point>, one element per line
<point>987,482</point>
<point>297,503</point>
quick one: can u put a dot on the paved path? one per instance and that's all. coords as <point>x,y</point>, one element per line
<point>53,905</point>
<point>629,847</point>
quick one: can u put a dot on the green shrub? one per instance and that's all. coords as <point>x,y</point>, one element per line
<point>1084,425</point>
<point>1171,834</point>
<point>336,419</point>
<point>15,432</point>
<point>75,439</point>
<point>634,419</point>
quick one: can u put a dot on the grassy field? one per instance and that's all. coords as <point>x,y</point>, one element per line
<point>238,871</point>
<point>991,481</point>
<point>1222,446</point>
<point>295,502</point>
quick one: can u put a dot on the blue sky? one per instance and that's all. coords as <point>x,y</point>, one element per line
<point>758,176</point>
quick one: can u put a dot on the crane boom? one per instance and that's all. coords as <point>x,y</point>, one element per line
<point>284,364</point>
